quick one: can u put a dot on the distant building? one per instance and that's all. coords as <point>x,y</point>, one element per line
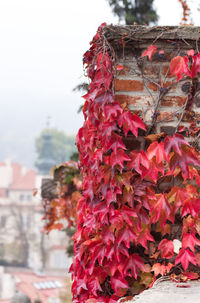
<point>37,287</point>
<point>21,241</point>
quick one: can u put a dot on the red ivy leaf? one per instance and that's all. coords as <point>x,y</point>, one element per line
<point>130,122</point>
<point>115,143</point>
<point>166,248</point>
<point>118,158</point>
<point>133,263</point>
<point>189,241</point>
<point>138,159</point>
<point>145,236</point>
<point>174,143</point>
<point>112,111</point>
<point>108,236</point>
<point>191,206</point>
<point>120,67</point>
<point>179,66</point>
<point>94,286</point>
<point>191,275</point>
<point>117,281</point>
<point>161,210</point>
<point>187,157</point>
<point>156,150</point>
<point>150,51</point>
<point>185,257</point>
<point>195,65</point>
<point>126,235</point>
<point>160,269</point>
<point>177,195</point>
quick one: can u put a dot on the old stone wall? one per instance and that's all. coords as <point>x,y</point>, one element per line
<point>147,87</point>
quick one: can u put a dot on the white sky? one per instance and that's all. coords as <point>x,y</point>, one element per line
<point>41,48</point>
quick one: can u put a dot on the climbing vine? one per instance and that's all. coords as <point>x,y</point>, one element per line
<point>126,217</point>
<point>138,216</point>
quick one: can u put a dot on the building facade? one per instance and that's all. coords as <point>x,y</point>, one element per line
<point>22,242</point>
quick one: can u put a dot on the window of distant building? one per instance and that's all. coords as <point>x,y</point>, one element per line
<point>29,197</point>
<point>21,197</point>
<point>3,221</point>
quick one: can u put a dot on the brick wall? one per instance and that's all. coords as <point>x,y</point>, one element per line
<point>147,87</point>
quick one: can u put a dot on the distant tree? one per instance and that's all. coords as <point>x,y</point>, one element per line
<point>139,11</point>
<point>53,147</point>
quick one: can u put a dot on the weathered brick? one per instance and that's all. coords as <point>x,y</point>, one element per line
<point>133,100</point>
<point>153,86</point>
<point>166,116</point>
<point>173,101</point>
<point>151,70</point>
<point>168,84</point>
<point>128,85</point>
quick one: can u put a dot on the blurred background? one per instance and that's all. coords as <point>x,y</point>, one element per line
<point>41,47</point>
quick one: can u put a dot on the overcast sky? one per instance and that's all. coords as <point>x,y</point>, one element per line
<point>41,48</point>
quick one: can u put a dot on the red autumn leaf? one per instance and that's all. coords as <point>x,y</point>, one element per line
<point>166,248</point>
<point>133,263</point>
<point>111,265</point>
<point>138,159</point>
<point>123,179</point>
<point>183,161</point>
<point>174,143</point>
<point>115,143</point>
<point>130,122</point>
<point>150,51</point>
<point>179,66</point>
<point>152,172</point>
<point>191,275</point>
<point>80,284</point>
<point>189,241</point>
<point>191,206</point>
<point>185,257</point>
<point>177,195</point>
<point>117,281</point>
<point>127,214</point>
<point>160,269</point>
<point>144,236</point>
<point>161,209</point>
<point>156,150</point>
<point>98,155</point>
<point>120,67</point>
<point>195,65</point>
<point>126,235</point>
<point>112,111</point>
<point>118,158</point>
<point>94,285</point>
<point>102,211</point>
<point>108,128</point>
<point>108,236</point>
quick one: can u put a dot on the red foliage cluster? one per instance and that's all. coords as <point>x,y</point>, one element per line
<point>126,216</point>
<point>61,212</point>
<point>188,65</point>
